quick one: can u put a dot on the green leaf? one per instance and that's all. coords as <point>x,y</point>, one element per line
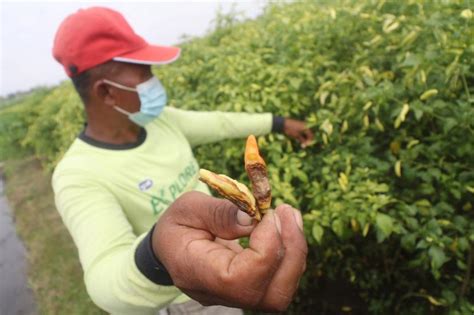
<point>449,123</point>
<point>366,229</point>
<point>411,60</point>
<point>408,241</point>
<point>384,224</point>
<point>438,257</point>
<point>317,232</point>
<point>449,296</point>
<point>338,227</point>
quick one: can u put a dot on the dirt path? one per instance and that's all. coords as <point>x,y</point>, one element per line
<point>15,296</point>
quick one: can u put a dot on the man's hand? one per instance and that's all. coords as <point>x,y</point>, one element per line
<point>187,240</point>
<point>297,129</point>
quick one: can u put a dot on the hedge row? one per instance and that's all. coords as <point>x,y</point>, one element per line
<point>387,186</point>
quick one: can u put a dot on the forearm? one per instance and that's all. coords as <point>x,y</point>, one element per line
<point>206,127</point>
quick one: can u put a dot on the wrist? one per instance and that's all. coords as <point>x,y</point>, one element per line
<point>149,264</point>
<point>278,124</point>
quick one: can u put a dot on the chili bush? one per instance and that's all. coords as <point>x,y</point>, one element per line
<point>387,186</point>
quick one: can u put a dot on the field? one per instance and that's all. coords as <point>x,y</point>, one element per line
<point>387,187</point>
<point>54,270</point>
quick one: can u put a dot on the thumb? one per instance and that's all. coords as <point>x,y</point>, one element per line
<point>219,217</point>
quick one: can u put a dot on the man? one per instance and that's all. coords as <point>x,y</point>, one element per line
<point>132,166</point>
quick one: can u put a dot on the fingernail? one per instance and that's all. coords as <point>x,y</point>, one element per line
<point>277,219</point>
<point>298,218</point>
<point>243,218</point>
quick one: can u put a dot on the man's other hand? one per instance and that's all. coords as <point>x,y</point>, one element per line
<point>298,130</point>
<point>188,241</point>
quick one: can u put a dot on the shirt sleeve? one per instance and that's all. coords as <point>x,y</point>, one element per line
<point>201,127</point>
<point>107,247</point>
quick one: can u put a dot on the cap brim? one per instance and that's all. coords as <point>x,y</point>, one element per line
<point>151,55</point>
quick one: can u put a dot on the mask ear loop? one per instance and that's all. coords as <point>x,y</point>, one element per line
<point>121,110</point>
<point>123,87</point>
<point>120,86</point>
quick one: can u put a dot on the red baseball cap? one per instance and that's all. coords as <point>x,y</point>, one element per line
<point>96,35</point>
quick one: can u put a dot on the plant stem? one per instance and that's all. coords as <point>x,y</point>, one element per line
<point>465,86</point>
<point>467,278</point>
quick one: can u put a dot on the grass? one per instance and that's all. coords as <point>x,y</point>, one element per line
<point>55,274</point>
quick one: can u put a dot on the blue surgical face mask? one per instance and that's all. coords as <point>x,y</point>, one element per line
<point>152,96</point>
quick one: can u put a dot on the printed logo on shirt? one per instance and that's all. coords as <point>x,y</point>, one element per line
<point>164,196</point>
<point>145,185</point>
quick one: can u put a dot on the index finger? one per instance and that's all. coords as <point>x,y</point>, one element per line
<point>285,281</point>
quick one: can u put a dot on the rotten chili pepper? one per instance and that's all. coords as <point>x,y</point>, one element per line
<point>255,202</point>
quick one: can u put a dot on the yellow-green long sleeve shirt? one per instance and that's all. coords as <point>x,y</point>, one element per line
<point>110,196</point>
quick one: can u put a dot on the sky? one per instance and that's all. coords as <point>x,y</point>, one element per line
<point>27,31</point>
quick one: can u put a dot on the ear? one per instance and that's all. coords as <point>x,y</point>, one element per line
<point>106,93</point>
